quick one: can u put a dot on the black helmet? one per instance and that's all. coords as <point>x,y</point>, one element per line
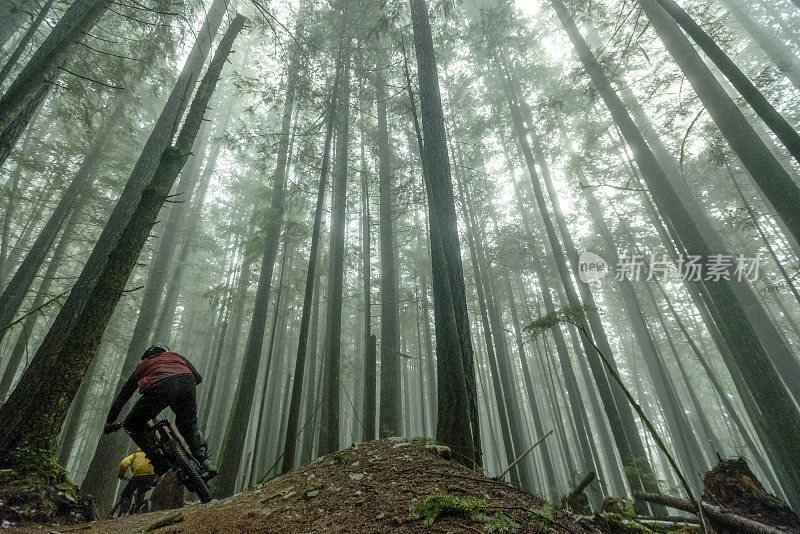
<point>155,349</point>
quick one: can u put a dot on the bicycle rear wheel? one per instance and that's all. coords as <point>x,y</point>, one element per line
<point>190,471</point>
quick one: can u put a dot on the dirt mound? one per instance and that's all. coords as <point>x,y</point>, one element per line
<point>379,486</point>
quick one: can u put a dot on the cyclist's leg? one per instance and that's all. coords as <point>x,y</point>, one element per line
<point>147,407</point>
<point>144,483</point>
<point>184,404</point>
<point>126,497</point>
<point>147,493</point>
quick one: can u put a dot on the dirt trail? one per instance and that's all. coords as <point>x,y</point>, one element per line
<point>363,489</point>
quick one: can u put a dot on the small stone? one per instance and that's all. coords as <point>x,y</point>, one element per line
<point>380,516</point>
<point>442,450</point>
<point>290,494</point>
<point>402,444</point>
<point>357,476</point>
<point>357,493</point>
<point>312,493</point>
<point>354,464</point>
<point>396,438</point>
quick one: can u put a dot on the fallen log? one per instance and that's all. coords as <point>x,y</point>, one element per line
<point>666,500</point>
<point>718,516</point>
<point>671,519</point>
<point>585,481</point>
<point>576,500</point>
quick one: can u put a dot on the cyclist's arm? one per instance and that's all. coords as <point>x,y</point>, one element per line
<point>197,377</point>
<point>124,465</point>
<point>122,398</point>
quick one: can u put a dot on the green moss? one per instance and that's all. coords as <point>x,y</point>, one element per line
<point>498,522</point>
<point>544,516</point>
<point>613,523</point>
<point>438,504</point>
<point>424,440</point>
<point>38,487</point>
<point>172,519</point>
<point>619,506</point>
<point>39,465</point>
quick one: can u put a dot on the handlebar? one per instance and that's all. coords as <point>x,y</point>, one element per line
<point>114,427</point>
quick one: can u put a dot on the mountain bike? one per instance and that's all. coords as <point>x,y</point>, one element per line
<point>139,503</point>
<point>188,470</point>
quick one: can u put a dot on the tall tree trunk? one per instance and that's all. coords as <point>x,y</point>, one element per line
<point>12,367</point>
<point>232,447</point>
<point>11,134</point>
<point>495,375</point>
<point>162,257</point>
<point>430,363</point>
<point>23,43</point>
<point>430,360</point>
<point>617,485</point>
<point>331,354</point>
<point>390,416</point>
<point>221,408</point>
<point>156,146</point>
<point>18,287</point>
<point>8,215</point>
<point>502,376</point>
<point>533,402</point>
<point>310,304</point>
<point>773,180</point>
<point>370,365</point>
<point>41,69</point>
<point>457,394</point>
<point>14,13</point>
<point>776,51</point>
<point>781,429</point>
<point>429,394</point>
<point>766,111</point>
<point>166,317</point>
<point>271,392</point>
<point>619,414</point>
<point>56,370</point>
<point>312,399</point>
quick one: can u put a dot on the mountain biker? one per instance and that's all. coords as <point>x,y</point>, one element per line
<point>165,379</point>
<point>143,479</point>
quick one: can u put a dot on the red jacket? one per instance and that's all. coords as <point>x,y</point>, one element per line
<point>160,366</point>
<point>151,370</point>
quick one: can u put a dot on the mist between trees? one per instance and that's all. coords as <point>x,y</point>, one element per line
<point>347,214</point>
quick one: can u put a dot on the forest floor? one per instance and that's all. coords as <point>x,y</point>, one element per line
<point>368,488</point>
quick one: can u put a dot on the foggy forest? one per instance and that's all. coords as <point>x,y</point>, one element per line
<point>400,266</point>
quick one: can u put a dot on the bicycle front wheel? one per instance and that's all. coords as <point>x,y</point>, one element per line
<point>190,471</point>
